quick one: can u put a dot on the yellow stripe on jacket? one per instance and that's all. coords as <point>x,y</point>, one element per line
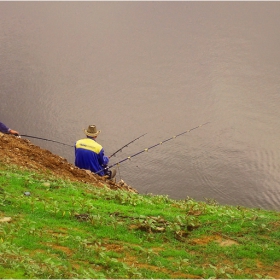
<point>89,144</point>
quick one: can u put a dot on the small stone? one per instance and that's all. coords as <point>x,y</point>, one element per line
<point>6,220</point>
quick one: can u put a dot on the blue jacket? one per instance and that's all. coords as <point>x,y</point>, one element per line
<point>90,155</point>
<point>4,128</point>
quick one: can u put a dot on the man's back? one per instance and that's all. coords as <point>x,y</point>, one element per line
<point>90,155</point>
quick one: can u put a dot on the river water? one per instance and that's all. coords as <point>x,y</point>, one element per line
<point>159,68</point>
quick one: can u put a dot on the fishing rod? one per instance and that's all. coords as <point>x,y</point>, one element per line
<point>23,135</point>
<point>145,150</point>
<point>126,145</point>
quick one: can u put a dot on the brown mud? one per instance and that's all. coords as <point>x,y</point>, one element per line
<point>21,152</point>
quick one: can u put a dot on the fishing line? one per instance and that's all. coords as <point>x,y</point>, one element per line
<point>146,149</point>
<point>119,172</point>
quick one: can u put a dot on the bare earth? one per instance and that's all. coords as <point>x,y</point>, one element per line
<point>23,153</point>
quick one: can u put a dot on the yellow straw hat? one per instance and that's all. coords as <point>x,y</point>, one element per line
<point>92,131</point>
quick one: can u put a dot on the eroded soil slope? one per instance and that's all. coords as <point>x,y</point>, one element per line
<point>22,152</point>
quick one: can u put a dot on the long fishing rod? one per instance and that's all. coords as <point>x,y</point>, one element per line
<point>45,140</point>
<point>145,150</point>
<point>23,135</point>
<point>126,145</point>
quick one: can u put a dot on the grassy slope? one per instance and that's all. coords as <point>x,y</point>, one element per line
<point>73,230</point>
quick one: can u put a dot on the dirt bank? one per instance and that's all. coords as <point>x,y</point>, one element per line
<point>22,152</point>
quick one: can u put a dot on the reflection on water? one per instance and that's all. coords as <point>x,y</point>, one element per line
<point>159,68</point>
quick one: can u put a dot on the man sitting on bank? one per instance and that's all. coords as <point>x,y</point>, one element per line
<point>90,155</point>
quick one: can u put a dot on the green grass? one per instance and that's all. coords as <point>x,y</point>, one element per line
<point>74,230</point>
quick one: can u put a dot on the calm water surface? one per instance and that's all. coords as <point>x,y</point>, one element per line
<point>159,68</point>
